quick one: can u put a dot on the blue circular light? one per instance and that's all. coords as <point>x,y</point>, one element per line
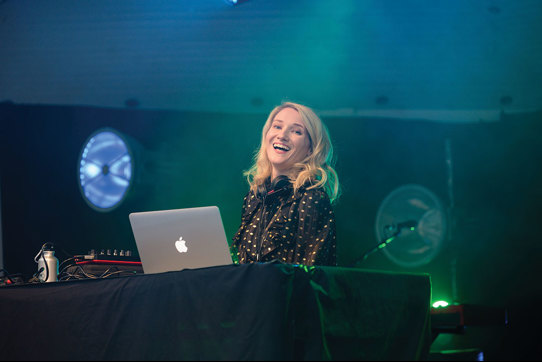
<point>105,170</point>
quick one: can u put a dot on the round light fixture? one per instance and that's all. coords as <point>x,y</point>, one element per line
<point>105,170</point>
<point>419,244</point>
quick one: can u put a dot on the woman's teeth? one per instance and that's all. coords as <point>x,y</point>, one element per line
<point>281,147</point>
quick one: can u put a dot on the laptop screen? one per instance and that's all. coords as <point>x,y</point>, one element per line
<point>171,240</point>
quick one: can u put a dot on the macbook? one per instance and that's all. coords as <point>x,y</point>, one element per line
<point>172,240</point>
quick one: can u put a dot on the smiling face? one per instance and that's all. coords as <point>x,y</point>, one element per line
<point>287,141</point>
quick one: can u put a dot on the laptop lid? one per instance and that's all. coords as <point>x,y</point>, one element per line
<point>172,240</point>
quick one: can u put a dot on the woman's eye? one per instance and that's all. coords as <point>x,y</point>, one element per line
<point>298,132</point>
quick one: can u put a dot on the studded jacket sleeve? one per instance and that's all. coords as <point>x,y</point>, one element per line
<point>236,241</point>
<point>316,244</point>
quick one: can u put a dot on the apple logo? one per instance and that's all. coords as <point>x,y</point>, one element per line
<point>181,245</point>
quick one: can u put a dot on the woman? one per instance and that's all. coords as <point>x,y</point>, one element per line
<point>287,214</point>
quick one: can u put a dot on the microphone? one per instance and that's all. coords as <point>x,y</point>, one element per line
<point>409,224</point>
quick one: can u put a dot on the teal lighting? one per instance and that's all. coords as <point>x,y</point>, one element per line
<point>234,2</point>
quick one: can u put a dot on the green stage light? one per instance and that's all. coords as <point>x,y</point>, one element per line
<point>440,304</point>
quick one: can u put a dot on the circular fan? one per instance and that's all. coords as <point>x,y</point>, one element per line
<point>416,217</point>
<point>105,170</point>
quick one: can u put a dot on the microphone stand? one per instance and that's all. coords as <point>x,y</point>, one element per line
<point>380,245</point>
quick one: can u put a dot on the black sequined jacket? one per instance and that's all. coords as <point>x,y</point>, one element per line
<point>291,228</point>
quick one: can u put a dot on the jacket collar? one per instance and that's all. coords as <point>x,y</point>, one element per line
<point>285,194</point>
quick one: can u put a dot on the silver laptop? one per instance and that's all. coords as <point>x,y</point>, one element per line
<point>172,240</point>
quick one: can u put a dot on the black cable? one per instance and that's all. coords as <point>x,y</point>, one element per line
<point>35,278</point>
<point>108,269</point>
<point>69,276</point>
<point>46,265</point>
<point>65,275</point>
<point>67,266</point>
<point>75,257</point>
<point>119,272</point>
<point>36,259</point>
<point>7,275</point>
<point>88,275</point>
<point>65,270</point>
<point>80,273</point>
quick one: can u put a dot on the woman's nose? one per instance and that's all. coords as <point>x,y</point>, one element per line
<point>283,134</point>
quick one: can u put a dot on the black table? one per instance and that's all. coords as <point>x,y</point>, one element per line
<point>235,312</point>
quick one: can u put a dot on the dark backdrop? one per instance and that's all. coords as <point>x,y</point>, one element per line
<point>196,159</point>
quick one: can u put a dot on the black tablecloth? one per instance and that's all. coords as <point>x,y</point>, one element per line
<point>236,312</point>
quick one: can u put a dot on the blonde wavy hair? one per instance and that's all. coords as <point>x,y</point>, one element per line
<point>316,169</point>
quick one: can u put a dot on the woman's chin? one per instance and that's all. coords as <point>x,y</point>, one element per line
<point>280,169</point>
